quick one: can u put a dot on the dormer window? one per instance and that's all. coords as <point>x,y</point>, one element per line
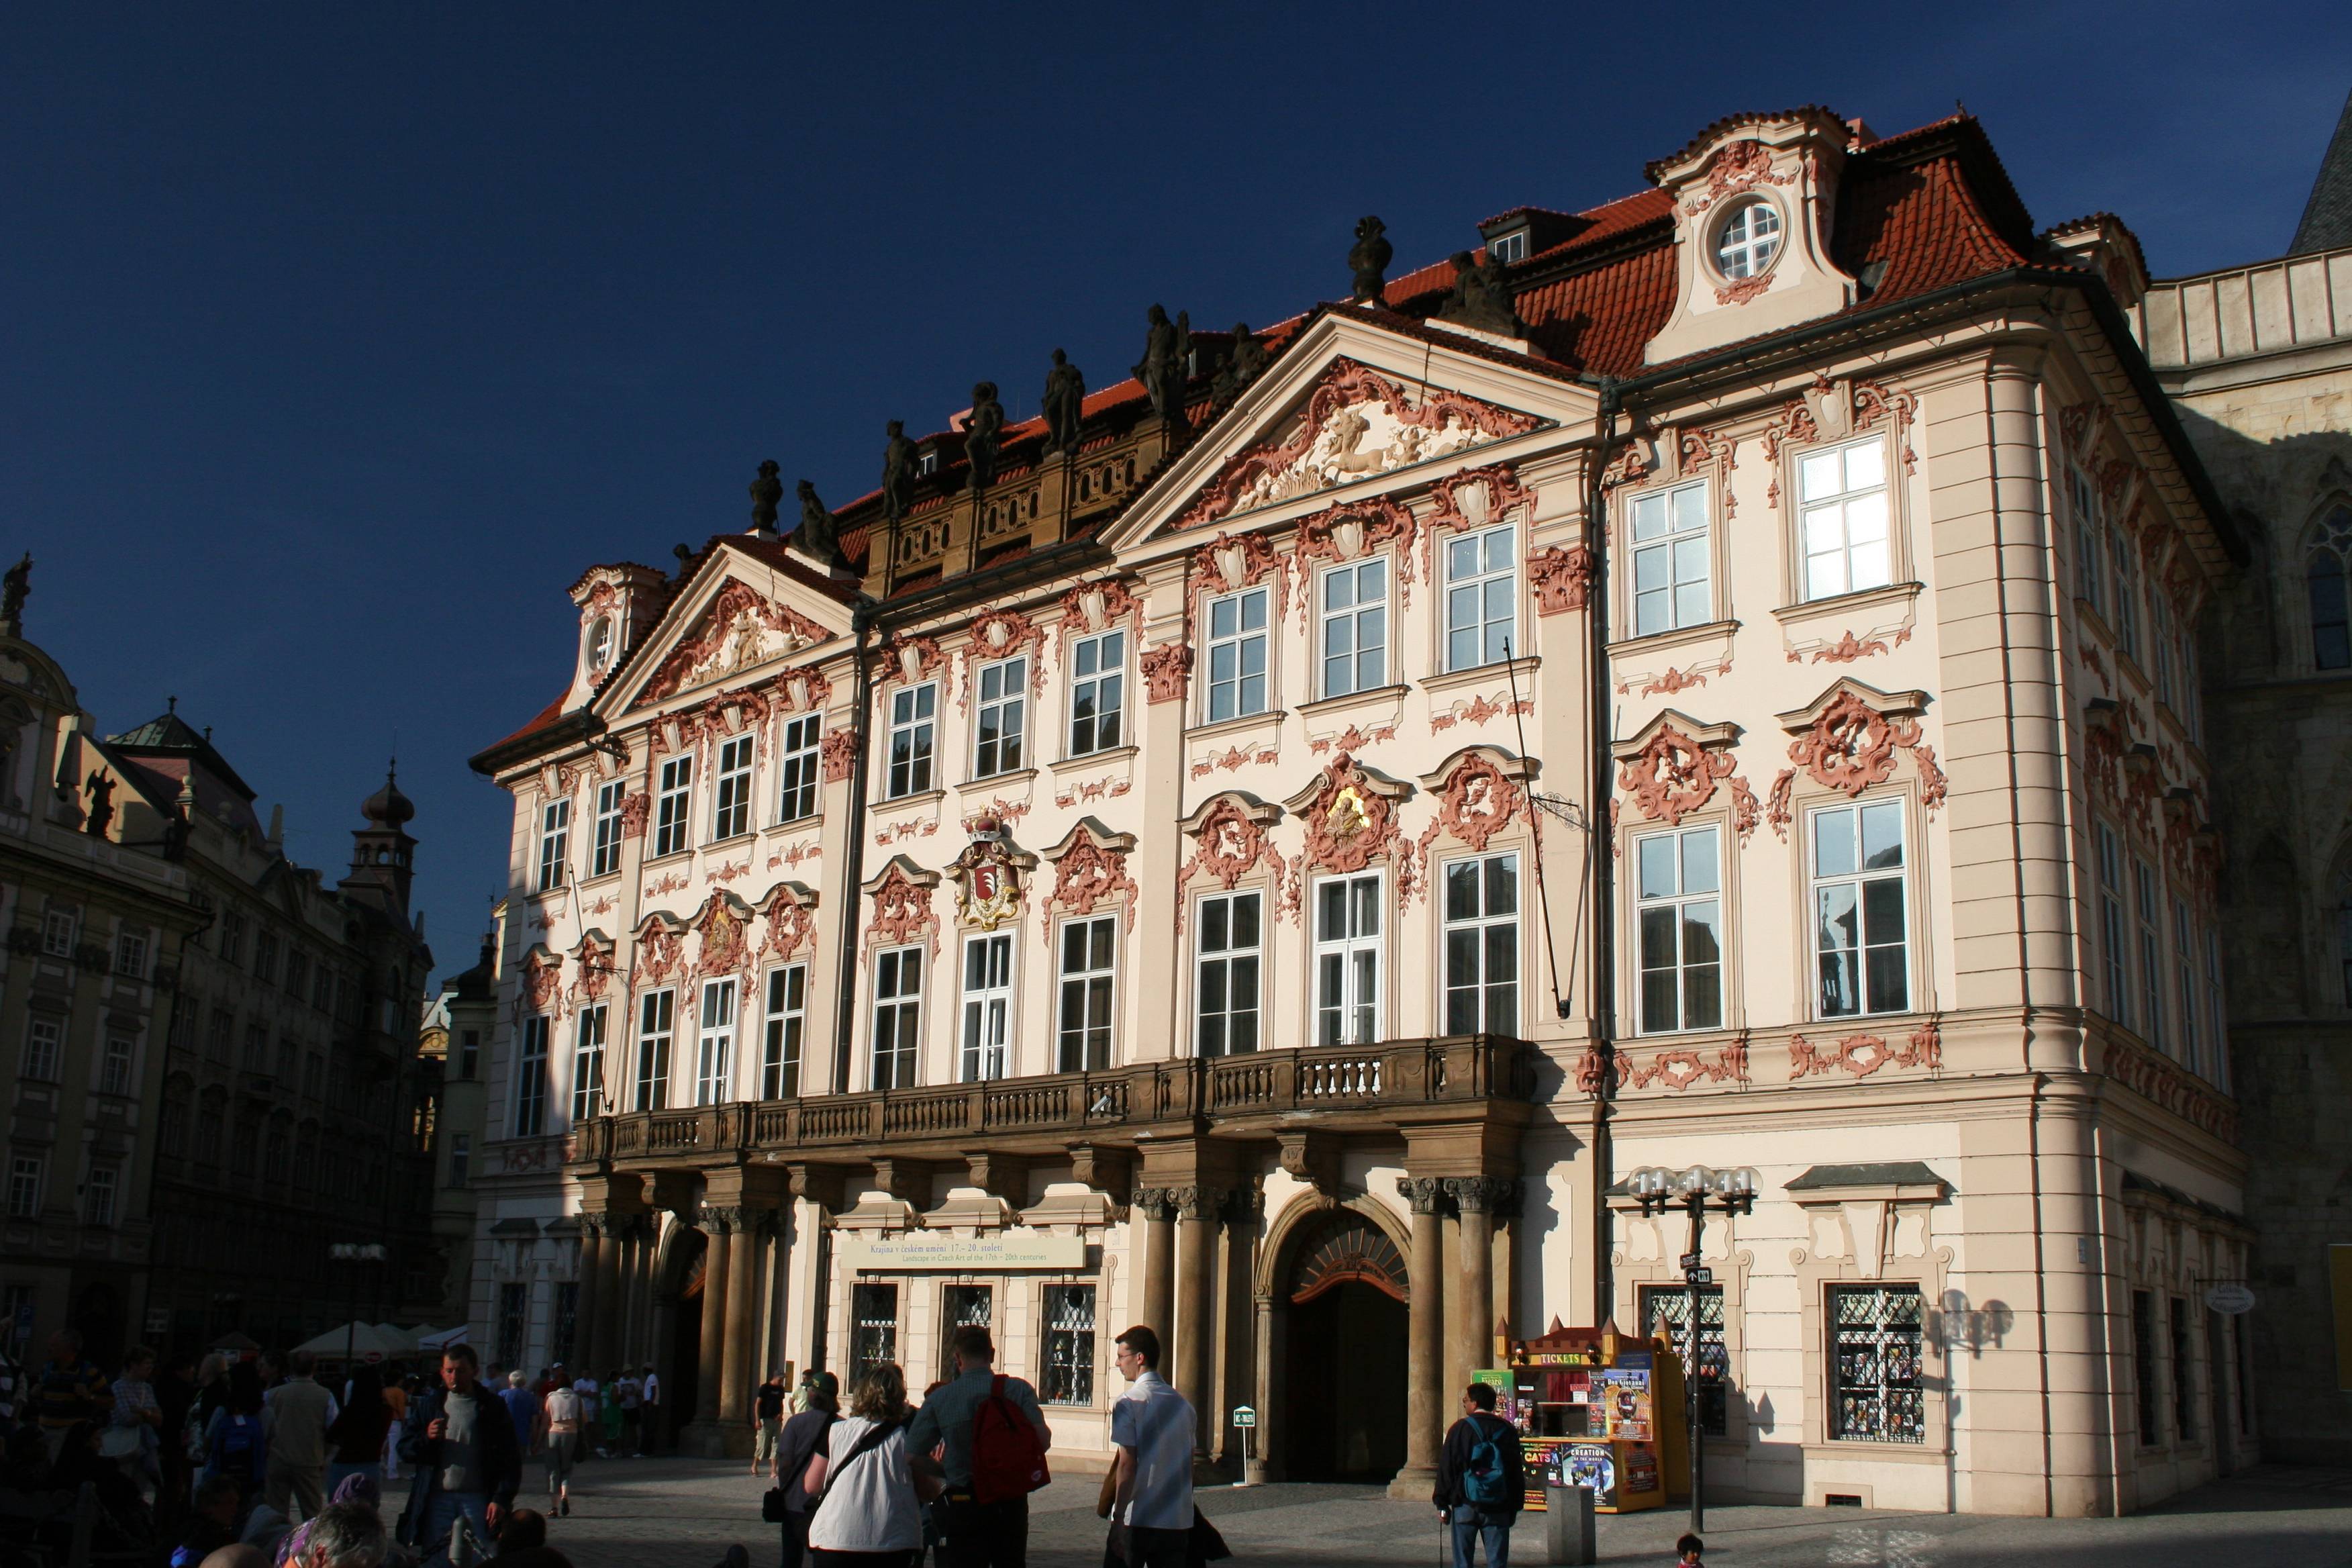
<point>927,462</point>
<point>1505,248</point>
<point>596,646</point>
<point>1748,240</point>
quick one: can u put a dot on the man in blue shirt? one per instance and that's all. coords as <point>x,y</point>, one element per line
<point>1152,1430</point>
<point>523,1408</point>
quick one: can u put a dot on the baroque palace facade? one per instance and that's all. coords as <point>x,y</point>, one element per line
<point>1264,851</point>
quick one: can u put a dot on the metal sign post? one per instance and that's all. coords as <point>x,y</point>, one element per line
<point>1246,1419</point>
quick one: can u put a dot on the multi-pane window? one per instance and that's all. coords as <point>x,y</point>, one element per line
<point>2113,941</point>
<point>1089,952</point>
<point>588,1063</point>
<point>1481,596</point>
<point>563,1327</point>
<point>1842,494</point>
<point>1227,964</point>
<point>265,956</point>
<point>731,797</point>
<point>656,1019</point>
<point>2324,585</point>
<point>987,1004</point>
<point>2184,970</point>
<point>298,971</point>
<point>961,1307</point>
<point>2184,1375</point>
<point>1002,723</point>
<point>796,768</point>
<point>256,1047</point>
<point>1355,627</point>
<point>1348,960</point>
<point>715,1050</point>
<point>98,1195</point>
<point>114,1067</point>
<point>231,936</point>
<point>1509,249</point>
<point>531,1078</point>
<point>1665,1309</point>
<point>897,1016</point>
<point>1671,560</point>
<point>2217,1018</point>
<point>1876,1394</point>
<point>25,1186</point>
<point>873,1326</point>
<point>43,1038</point>
<point>514,1317</point>
<point>461,1159</point>
<point>1098,692</point>
<point>131,955</point>
<point>2120,552</point>
<point>913,730</point>
<point>2144,1374</point>
<point>780,1056</point>
<point>1237,652</point>
<point>1860,913</point>
<point>1069,1360</point>
<point>673,803</point>
<point>1680,916</point>
<point>2148,905</point>
<point>1749,239</point>
<point>555,842</point>
<point>1481,945</point>
<point>605,857</point>
<point>58,928</point>
<point>2087,549</point>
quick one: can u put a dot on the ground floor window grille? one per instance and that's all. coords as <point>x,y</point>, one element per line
<point>2184,1375</point>
<point>567,1316</point>
<point>1876,1394</point>
<point>873,1326</point>
<point>961,1307</point>
<point>1665,1309</point>
<point>514,1313</point>
<point>1069,1364</point>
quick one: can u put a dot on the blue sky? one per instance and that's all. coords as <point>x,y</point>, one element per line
<point>335,340</point>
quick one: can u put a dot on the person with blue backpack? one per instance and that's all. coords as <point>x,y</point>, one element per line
<point>1481,1479</point>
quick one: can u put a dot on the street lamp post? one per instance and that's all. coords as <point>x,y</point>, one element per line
<point>353,1253</point>
<point>1733,1192</point>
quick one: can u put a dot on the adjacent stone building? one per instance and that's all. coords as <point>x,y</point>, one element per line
<point>1268,849</point>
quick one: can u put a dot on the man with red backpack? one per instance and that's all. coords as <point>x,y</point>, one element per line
<point>991,1440</point>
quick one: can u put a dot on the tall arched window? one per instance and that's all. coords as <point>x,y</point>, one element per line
<point>2323,574</point>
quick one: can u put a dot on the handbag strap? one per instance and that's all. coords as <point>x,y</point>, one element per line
<point>872,1438</point>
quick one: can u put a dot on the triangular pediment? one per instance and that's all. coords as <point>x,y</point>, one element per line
<point>1353,406</point>
<point>737,623</point>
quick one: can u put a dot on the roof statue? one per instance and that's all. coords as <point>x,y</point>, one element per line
<point>1167,349</point>
<point>685,554</point>
<point>13,586</point>
<point>767,490</point>
<point>1481,300</point>
<point>898,472</point>
<point>100,790</point>
<point>818,534</point>
<point>1368,260</point>
<point>983,434</point>
<point>1066,397</point>
<point>1242,363</point>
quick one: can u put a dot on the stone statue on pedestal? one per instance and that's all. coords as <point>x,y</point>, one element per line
<point>1480,298</point>
<point>767,493</point>
<point>818,535</point>
<point>1066,397</point>
<point>1166,351</point>
<point>898,472</point>
<point>1369,261</point>
<point>983,435</point>
<point>1243,362</point>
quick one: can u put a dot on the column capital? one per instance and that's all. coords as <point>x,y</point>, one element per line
<point>1156,1203</point>
<point>1198,1202</point>
<point>1427,1195</point>
<point>594,1225</point>
<point>724,1219</point>
<point>1244,1205</point>
<point>1483,1194</point>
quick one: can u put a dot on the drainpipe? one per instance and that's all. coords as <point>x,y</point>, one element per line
<point>861,627</point>
<point>1600,846</point>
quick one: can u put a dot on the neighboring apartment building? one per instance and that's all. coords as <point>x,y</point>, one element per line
<point>450,1049</point>
<point>96,918</point>
<point>1713,683</point>
<point>2259,358</point>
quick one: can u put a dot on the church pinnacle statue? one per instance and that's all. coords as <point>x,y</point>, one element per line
<point>767,493</point>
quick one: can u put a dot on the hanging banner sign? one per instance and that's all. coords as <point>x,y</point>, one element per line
<point>2229,1299</point>
<point>964,1255</point>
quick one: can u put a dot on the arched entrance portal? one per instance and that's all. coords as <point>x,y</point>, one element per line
<point>688,1256</point>
<point>1342,1296</point>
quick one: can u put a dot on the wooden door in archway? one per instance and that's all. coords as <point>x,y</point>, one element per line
<point>1344,1346</point>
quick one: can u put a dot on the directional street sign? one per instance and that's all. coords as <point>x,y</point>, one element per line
<point>1245,1416</point>
<point>1699,1276</point>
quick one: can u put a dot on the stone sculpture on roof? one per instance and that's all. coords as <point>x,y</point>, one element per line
<point>1066,397</point>
<point>767,494</point>
<point>983,434</point>
<point>1481,300</point>
<point>818,534</point>
<point>1166,351</point>
<point>1369,261</point>
<point>1242,363</point>
<point>14,587</point>
<point>898,458</point>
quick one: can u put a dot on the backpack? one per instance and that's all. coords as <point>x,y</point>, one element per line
<point>1486,1480</point>
<point>1007,1460</point>
<point>240,1442</point>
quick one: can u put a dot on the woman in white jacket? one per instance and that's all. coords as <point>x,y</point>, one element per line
<point>871,1515</point>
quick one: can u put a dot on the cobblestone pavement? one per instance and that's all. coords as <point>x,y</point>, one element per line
<point>684,1513</point>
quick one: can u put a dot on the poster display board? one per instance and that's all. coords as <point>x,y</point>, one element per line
<point>1594,1409</point>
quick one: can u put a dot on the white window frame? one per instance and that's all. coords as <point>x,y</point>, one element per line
<point>1677,554</point>
<point>657,1035</point>
<point>799,767</point>
<point>1850,818</point>
<point>1098,676</point>
<point>117,1066</point>
<point>554,840</point>
<point>730,789</point>
<point>1747,240</point>
<point>1360,625</point>
<point>714,1053</point>
<point>2184,970</point>
<point>911,758</point>
<point>785,1031</point>
<point>1473,583</point>
<point>606,854</point>
<point>1233,695</point>
<point>897,1039</point>
<point>1490,937</point>
<point>2090,531</point>
<point>44,1047</point>
<point>98,1195</point>
<point>1837,510</point>
<point>130,954</point>
<point>1507,249</point>
<point>1224,966</point>
<point>58,928</point>
<point>674,807</point>
<point>1000,719</point>
<point>588,1039</point>
<point>1685,850</point>
<point>1351,967</point>
<point>2147,905</point>
<point>26,1173</point>
<point>985,1041</point>
<point>531,1076</point>
<point>1085,1014</point>
<point>2114,931</point>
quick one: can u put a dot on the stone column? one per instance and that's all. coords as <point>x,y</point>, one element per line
<point>603,1347</point>
<point>709,1375</point>
<point>1424,1336</point>
<point>743,1228</point>
<point>1475,1197</point>
<point>1157,1207</point>
<point>1196,1308</point>
<point>588,1273</point>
